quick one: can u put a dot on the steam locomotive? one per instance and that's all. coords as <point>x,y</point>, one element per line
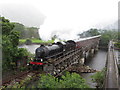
<point>44,53</point>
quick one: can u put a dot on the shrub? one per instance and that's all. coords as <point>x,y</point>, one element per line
<point>99,78</point>
<point>23,68</point>
<point>117,44</point>
<point>67,81</point>
<point>28,42</point>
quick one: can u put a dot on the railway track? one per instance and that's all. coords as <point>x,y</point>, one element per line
<point>11,80</point>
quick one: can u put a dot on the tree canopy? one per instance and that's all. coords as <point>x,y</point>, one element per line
<point>10,40</point>
<point>68,80</point>
<point>26,32</point>
<point>106,35</point>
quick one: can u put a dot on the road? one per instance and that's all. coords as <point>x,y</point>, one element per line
<point>112,70</point>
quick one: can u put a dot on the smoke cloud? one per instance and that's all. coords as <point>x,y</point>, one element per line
<point>62,33</point>
<point>64,18</point>
<point>67,18</point>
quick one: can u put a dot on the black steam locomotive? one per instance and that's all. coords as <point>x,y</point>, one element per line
<point>44,53</point>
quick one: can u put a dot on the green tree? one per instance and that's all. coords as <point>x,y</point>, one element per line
<point>89,33</point>
<point>26,32</point>
<point>73,80</point>
<point>67,81</point>
<point>48,81</point>
<point>9,46</point>
<point>6,52</point>
<point>10,40</point>
<point>22,52</point>
<point>20,28</point>
<point>31,32</point>
<point>14,37</point>
<point>106,35</point>
<point>6,26</point>
<point>93,32</point>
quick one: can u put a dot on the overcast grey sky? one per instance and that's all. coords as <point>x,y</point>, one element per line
<point>25,14</point>
<point>65,18</point>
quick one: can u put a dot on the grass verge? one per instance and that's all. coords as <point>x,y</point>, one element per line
<point>22,41</point>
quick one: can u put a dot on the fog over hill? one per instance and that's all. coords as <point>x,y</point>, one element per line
<point>113,26</point>
<point>65,18</point>
<point>22,13</point>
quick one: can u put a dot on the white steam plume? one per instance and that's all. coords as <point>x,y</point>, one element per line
<point>67,18</point>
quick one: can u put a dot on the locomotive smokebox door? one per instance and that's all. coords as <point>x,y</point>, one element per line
<point>48,68</point>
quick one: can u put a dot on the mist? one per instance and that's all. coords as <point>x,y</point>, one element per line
<point>64,18</point>
<point>22,13</point>
<point>68,18</point>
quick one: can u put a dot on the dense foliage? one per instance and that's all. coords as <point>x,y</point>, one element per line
<point>106,35</point>
<point>67,81</point>
<point>10,39</point>
<point>117,44</point>
<point>28,41</point>
<point>26,32</point>
<point>99,78</point>
<point>48,81</point>
<point>89,33</point>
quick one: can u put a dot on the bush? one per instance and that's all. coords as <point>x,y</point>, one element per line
<point>67,81</point>
<point>117,44</point>
<point>28,42</point>
<point>99,78</point>
<point>23,52</point>
<point>73,80</point>
<point>23,68</point>
<point>48,81</point>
